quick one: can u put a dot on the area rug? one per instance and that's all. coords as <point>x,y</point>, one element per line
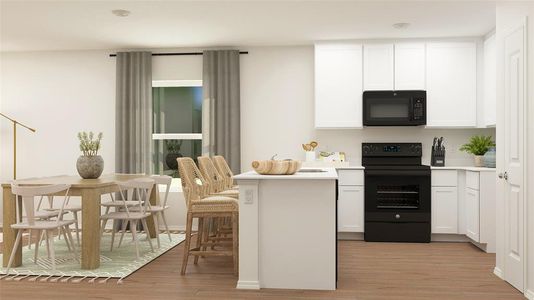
<point>119,263</point>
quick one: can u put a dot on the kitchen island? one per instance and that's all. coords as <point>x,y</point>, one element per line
<point>287,230</point>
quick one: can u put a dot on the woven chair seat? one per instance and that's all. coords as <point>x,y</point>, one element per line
<point>215,204</point>
<point>227,193</point>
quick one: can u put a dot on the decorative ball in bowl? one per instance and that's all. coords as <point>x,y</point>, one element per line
<point>276,167</point>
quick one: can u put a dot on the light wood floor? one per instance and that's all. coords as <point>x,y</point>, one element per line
<point>366,271</point>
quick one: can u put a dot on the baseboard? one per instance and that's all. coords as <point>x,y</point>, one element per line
<point>350,236</point>
<point>248,285</point>
<point>498,273</point>
<point>529,294</point>
<point>454,238</point>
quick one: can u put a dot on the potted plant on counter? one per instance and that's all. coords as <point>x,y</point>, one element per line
<point>478,145</point>
<point>90,165</point>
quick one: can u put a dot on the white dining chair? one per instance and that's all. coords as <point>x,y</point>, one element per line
<point>32,222</point>
<point>43,214</point>
<point>141,189</point>
<point>157,210</point>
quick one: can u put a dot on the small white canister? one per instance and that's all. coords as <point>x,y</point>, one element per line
<point>310,155</point>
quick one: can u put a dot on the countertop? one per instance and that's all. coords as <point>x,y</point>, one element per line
<point>474,169</point>
<point>329,174</point>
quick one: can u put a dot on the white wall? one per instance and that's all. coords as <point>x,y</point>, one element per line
<point>508,15</point>
<point>61,93</point>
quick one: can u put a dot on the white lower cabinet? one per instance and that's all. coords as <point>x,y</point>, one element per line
<point>350,209</point>
<point>444,210</point>
<point>472,214</point>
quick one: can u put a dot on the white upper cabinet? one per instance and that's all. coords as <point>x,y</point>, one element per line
<point>451,84</point>
<point>410,66</point>
<point>338,85</point>
<point>490,82</point>
<point>378,67</point>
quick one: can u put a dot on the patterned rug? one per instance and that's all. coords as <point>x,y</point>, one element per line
<point>119,263</point>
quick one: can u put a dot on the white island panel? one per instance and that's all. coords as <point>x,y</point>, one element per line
<point>287,231</point>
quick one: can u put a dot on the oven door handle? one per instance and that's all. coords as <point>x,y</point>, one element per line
<point>397,173</point>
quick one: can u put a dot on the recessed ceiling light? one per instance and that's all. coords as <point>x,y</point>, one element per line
<point>401,25</point>
<point>121,12</point>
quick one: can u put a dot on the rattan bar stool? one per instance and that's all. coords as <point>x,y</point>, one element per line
<point>204,207</point>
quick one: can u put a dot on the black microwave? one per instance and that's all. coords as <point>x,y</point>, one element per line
<point>394,108</point>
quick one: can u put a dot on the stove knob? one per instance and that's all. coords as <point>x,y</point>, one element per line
<point>366,149</point>
<point>397,216</point>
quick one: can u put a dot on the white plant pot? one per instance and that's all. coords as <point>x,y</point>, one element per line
<point>310,155</point>
<point>479,160</point>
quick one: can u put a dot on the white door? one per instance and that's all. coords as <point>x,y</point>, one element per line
<point>514,142</point>
<point>444,210</point>
<point>472,214</point>
<point>410,59</point>
<point>338,85</point>
<point>378,67</point>
<point>350,209</point>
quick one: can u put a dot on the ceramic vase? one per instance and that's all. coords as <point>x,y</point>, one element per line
<point>489,158</point>
<point>90,167</point>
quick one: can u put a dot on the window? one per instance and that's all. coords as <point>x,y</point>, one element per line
<point>177,128</point>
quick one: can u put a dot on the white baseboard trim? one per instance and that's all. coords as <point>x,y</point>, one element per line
<point>248,285</point>
<point>350,236</point>
<point>498,273</point>
<point>529,294</point>
<point>454,238</point>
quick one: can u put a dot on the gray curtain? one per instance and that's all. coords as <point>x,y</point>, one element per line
<point>221,106</point>
<point>133,122</point>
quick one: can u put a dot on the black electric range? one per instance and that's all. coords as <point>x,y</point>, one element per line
<point>397,193</point>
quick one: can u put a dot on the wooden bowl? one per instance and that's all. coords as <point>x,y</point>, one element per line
<point>276,167</point>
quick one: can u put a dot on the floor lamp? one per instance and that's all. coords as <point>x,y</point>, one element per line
<point>15,123</point>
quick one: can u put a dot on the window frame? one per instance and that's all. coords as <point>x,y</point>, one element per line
<point>176,136</point>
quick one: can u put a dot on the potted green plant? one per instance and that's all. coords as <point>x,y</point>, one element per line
<point>478,145</point>
<point>173,152</point>
<point>90,165</point>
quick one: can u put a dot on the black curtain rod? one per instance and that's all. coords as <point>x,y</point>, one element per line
<point>178,53</point>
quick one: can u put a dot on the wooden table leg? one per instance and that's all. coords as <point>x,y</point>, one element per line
<point>151,222</point>
<point>10,217</point>
<point>90,229</point>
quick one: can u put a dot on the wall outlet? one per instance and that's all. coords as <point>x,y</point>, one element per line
<point>249,196</point>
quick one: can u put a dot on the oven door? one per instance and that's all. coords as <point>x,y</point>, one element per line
<point>397,195</point>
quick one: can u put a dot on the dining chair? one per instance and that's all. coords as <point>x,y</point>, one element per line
<point>43,214</point>
<point>139,188</point>
<point>217,182</point>
<point>33,222</point>
<point>157,210</point>
<point>224,169</point>
<point>203,206</point>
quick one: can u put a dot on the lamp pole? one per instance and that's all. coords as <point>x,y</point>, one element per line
<point>15,123</point>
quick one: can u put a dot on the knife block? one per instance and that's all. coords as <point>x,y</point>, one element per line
<point>438,158</point>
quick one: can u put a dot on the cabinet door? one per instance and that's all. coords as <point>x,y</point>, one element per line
<point>378,67</point>
<point>350,209</point>
<point>410,66</point>
<point>472,214</point>
<point>490,82</point>
<point>338,86</point>
<point>451,84</point>
<point>445,210</point>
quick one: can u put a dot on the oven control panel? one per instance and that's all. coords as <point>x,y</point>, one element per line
<point>392,149</point>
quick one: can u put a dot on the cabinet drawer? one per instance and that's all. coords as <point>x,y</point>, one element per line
<point>472,180</point>
<point>350,177</point>
<point>444,178</point>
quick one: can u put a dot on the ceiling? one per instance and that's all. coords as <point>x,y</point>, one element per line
<point>70,25</point>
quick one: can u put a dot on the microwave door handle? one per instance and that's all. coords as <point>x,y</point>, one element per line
<point>410,109</point>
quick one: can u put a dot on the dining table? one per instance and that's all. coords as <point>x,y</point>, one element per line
<point>90,191</point>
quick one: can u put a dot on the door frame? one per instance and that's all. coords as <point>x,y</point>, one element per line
<point>522,23</point>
